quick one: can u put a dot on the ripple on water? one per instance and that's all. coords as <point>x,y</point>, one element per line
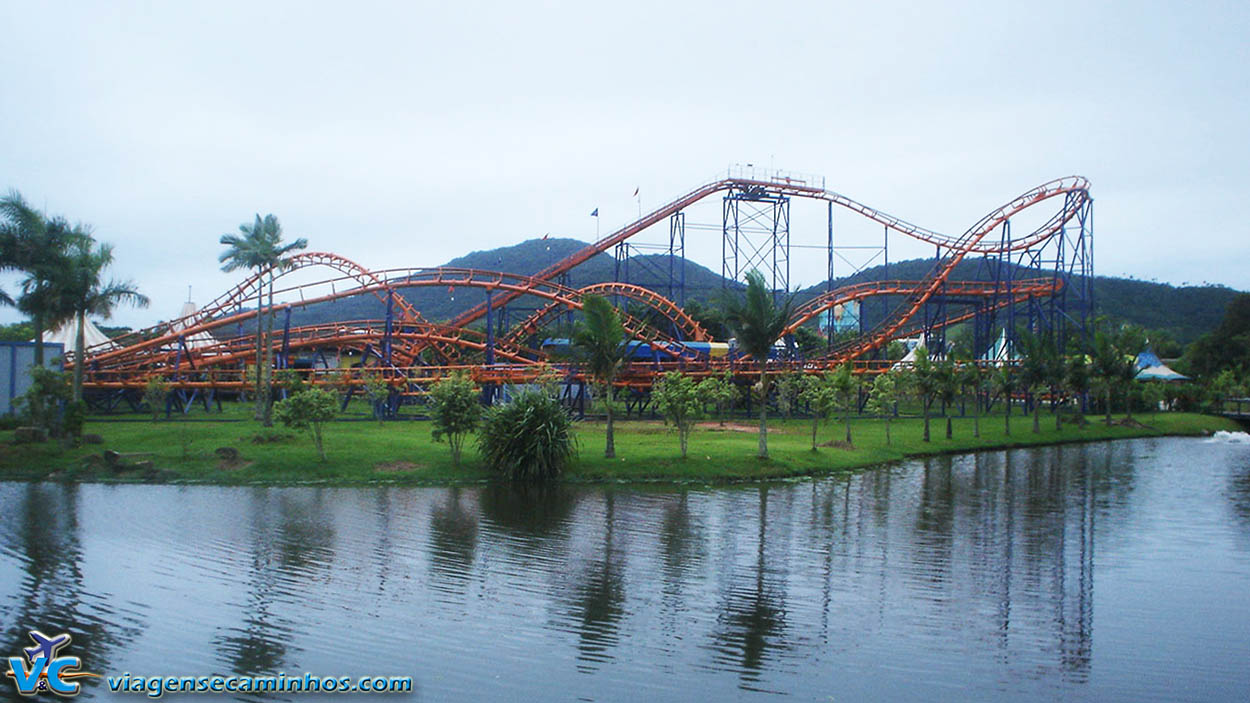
<point>1099,572</point>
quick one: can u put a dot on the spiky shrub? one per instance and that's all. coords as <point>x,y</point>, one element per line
<point>528,439</point>
<point>454,411</point>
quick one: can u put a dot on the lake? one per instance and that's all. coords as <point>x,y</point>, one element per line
<point>1114,571</point>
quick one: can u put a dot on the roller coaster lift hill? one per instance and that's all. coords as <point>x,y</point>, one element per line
<point>507,339</point>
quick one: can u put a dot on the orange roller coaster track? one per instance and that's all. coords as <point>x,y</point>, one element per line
<point>208,348</point>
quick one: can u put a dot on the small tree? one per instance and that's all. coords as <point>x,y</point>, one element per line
<point>454,411</point>
<point>971,379</point>
<point>677,398</point>
<point>1224,385</point>
<point>821,398</point>
<point>946,378</point>
<point>42,403</point>
<point>1153,394</point>
<point>530,438</point>
<point>883,397</point>
<point>846,389</point>
<point>155,392</point>
<point>924,384</point>
<point>1129,341</point>
<point>290,380</point>
<point>1038,370</point>
<point>789,385</point>
<point>719,392</point>
<point>1077,378</point>
<point>1108,368</point>
<point>377,391</point>
<point>308,409</point>
<point>1003,378</point>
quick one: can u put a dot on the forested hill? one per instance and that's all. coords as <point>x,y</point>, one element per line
<point>1184,313</point>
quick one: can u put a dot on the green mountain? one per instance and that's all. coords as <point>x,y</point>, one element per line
<point>1182,313</point>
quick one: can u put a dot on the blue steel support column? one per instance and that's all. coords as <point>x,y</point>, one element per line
<point>1009,338</point>
<point>488,389</point>
<point>284,359</point>
<point>829,282</point>
<point>677,243</point>
<point>390,321</point>
<point>885,302</point>
<point>490,328</point>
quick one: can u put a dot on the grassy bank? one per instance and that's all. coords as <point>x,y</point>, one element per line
<point>363,452</point>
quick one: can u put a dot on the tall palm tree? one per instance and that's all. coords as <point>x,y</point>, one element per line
<point>259,246</point>
<point>600,338</point>
<point>85,292</point>
<point>757,321</point>
<point>37,246</point>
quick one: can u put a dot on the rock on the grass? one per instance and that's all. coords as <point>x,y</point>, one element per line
<point>30,435</point>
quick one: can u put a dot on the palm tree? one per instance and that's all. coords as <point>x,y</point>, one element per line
<point>757,322</point>
<point>971,378</point>
<point>32,243</point>
<point>600,338</point>
<point>1004,380</point>
<point>260,247</point>
<point>86,293</point>
<point>1107,367</point>
<point>1037,369</point>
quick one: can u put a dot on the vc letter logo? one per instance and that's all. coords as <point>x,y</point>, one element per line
<point>42,670</point>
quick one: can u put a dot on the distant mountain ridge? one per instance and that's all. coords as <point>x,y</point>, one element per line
<point>1183,312</point>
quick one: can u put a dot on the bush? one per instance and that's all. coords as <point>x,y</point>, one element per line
<point>41,403</point>
<point>530,438</point>
<point>454,411</point>
<point>308,410</point>
<point>677,399</point>
<point>154,395</point>
<point>720,392</point>
<point>75,417</point>
<point>377,391</point>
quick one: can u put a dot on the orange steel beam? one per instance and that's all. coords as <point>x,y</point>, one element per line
<point>970,241</point>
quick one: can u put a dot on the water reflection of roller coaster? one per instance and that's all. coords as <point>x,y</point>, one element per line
<point>1040,280</point>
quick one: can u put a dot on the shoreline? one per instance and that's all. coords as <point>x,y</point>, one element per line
<point>402,454</point>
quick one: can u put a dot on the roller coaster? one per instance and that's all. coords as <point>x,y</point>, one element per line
<point>1041,280</point>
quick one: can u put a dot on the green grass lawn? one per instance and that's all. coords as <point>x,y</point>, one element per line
<point>366,451</point>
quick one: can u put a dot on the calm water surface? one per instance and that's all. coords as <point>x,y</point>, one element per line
<point>1116,571</point>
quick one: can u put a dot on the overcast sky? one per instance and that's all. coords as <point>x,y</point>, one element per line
<point>398,134</point>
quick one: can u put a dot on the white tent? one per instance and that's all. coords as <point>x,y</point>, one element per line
<point>67,334</point>
<point>182,322</point>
